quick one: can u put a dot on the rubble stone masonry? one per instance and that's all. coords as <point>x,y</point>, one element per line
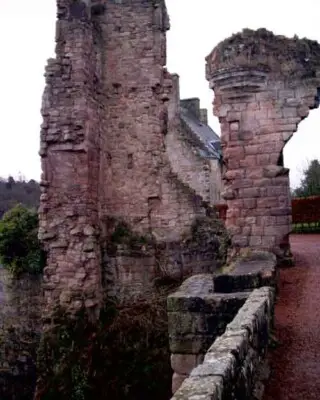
<point>103,148</point>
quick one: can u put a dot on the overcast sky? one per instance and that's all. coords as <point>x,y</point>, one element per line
<point>27,40</point>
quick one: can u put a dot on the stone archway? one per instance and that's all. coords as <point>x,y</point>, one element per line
<point>264,85</point>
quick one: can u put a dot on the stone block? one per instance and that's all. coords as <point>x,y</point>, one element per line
<point>240,240</point>
<point>268,202</point>
<point>205,388</point>
<point>216,364</point>
<point>183,364</point>
<point>191,344</point>
<point>233,342</point>
<point>177,380</point>
<point>268,241</point>
<point>187,323</point>
<point>249,192</point>
<point>255,241</point>
<point>249,203</point>
<point>250,272</point>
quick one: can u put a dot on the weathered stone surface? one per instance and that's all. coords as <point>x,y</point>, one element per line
<point>234,365</point>
<point>249,272</point>
<point>259,102</point>
<point>183,364</point>
<point>197,316</point>
<point>112,148</point>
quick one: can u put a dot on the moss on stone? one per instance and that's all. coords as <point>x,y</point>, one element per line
<point>263,49</point>
<point>210,233</point>
<point>122,234</point>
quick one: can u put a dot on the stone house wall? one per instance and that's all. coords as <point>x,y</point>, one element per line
<point>216,182</point>
<point>202,174</point>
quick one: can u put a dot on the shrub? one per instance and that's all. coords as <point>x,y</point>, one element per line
<point>124,356</point>
<point>306,210</point>
<point>20,249</point>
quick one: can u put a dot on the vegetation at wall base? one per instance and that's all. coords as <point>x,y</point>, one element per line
<point>124,356</point>
<point>20,249</point>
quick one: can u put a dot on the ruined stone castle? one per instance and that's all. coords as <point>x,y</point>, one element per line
<point>121,157</point>
<point>131,175</point>
<point>129,170</point>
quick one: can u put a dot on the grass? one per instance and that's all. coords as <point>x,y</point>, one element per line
<point>306,227</point>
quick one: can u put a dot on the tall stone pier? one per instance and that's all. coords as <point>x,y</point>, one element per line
<point>72,112</point>
<point>264,85</point>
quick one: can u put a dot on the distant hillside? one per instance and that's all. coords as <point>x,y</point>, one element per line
<point>18,191</point>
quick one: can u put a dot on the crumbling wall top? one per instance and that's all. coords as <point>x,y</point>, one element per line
<point>263,50</point>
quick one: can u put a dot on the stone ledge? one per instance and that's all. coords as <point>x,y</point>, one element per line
<point>253,271</point>
<point>232,365</point>
<point>197,315</point>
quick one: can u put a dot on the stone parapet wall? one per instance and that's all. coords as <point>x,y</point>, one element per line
<point>235,364</point>
<point>197,316</point>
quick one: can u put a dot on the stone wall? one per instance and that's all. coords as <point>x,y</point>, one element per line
<point>134,266</point>
<point>197,316</point>
<point>135,175</point>
<point>20,328</point>
<point>105,153</point>
<point>234,367</point>
<point>70,135</point>
<point>215,182</point>
<point>202,174</point>
<point>264,86</point>
<point>102,142</point>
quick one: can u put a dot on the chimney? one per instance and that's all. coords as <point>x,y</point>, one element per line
<point>204,116</point>
<point>193,105</point>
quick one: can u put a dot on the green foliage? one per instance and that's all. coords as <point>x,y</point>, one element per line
<point>18,191</point>
<point>121,357</point>
<point>20,250</point>
<point>310,183</point>
<point>122,234</point>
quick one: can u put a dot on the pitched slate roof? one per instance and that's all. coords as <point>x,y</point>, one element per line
<point>204,138</point>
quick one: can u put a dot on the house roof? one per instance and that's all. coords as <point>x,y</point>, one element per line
<point>204,138</point>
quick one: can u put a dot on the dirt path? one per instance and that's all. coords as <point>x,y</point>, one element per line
<point>296,362</point>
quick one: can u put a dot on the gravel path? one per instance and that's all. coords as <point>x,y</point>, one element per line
<point>296,362</point>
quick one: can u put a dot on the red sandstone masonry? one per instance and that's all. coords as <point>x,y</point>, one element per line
<point>259,101</point>
<point>70,162</point>
<point>142,190</point>
<point>103,150</point>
